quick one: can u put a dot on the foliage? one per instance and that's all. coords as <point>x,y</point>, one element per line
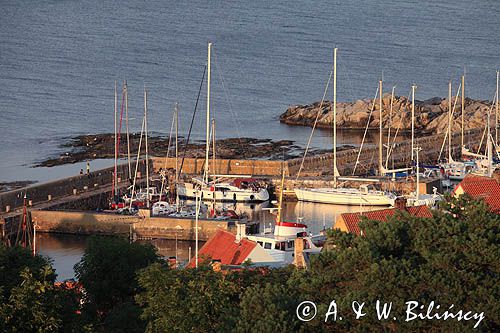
<point>269,308</point>
<point>451,258</point>
<point>13,260</point>
<point>107,271</point>
<point>29,301</point>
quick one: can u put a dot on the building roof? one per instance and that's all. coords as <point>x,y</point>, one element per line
<point>352,220</point>
<point>223,246</point>
<point>482,187</point>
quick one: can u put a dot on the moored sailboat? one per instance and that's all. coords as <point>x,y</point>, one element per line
<point>345,195</point>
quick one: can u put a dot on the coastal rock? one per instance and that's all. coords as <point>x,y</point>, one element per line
<point>431,115</point>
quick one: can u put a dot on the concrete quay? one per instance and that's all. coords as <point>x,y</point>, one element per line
<point>137,226</point>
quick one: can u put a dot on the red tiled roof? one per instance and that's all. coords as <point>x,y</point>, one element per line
<point>482,187</point>
<point>222,246</point>
<point>352,220</point>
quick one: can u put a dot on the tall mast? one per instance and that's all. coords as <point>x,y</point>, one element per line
<point>176,155</point>
<point>463,112</point>
<point>413,87</point>
<point>380,166</point>
<point>450,116</point>
<point>417,190</point>
<point>213,156</point>
<point>496,113</point>
<point>389,127</point>
<point>146,142</point>
<point>128,133</point>
<point>488,143</point>
<point>197,212</point>
<point>278,217</point>
<point>208,110</point>
<point>116,150</point>
<point>335,172</point>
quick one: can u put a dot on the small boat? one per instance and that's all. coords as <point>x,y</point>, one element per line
<point>281,244</point>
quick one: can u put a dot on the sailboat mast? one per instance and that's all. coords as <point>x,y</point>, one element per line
<point>213,156</point>
<point>176,155</point>
<point>128,132</point>
<point>413,87</point>
<point>116,150</point>
<point>146,142</point>
<point>334,119</point>
<point>380,166</point>
<point>417,189</point>
<point>488,143</point>
<point>34,238</point>
<point>496,112</point>
<point>278,217</point>
<point>389,127</point>
<point>450,116</point>
<point>463,112</point>
<point>208,110</point>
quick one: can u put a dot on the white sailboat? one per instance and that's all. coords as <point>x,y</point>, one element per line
<point>456,170</point>
<point>241,189</point>
<point>364,195</point>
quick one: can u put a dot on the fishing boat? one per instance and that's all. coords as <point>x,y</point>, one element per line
<point>281,243</point>
<point>365,195</point>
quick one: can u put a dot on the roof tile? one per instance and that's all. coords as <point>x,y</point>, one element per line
<point>223,246</point>
<point>352,220</point>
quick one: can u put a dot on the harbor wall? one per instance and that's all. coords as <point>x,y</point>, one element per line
<point>346,159</point>
<point>63,187</point>
<point>94,223</point>
<point>223,166</point>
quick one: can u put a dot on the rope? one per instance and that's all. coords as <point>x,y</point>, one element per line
<point>366,131</point>
<point>192,119</point>
<point>396,135</point>
<point>320,109</point>
<point>168,153</point>
<point>228,101</point>
<point>450,118</point>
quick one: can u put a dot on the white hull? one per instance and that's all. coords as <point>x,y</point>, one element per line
<point>230,195</point>
<point>346,196</point>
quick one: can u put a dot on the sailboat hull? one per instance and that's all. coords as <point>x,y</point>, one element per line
<point>229,195</point>
<point>339,196</point>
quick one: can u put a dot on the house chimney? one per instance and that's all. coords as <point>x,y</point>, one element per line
<point>240,232</point>
<point>298,253</point>
<point>400,203</point>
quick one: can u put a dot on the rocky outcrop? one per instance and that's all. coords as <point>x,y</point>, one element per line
<point>431,116</point>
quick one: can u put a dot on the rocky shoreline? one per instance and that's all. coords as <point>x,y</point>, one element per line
<point>89,147</point>
<point>431,116</point>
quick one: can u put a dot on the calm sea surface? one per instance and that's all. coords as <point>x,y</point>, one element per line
<point>59,60</point>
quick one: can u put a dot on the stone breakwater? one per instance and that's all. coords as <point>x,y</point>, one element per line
<point>430,115</point>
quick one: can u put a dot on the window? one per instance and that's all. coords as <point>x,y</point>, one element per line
<point>267,246</point>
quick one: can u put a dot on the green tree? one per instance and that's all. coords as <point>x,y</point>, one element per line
<point>29,301</point>
<point>107,272</point>
<point>13,260</point>
<point>451,258</point>
<point>188,300</point>
<point>268,308</point>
